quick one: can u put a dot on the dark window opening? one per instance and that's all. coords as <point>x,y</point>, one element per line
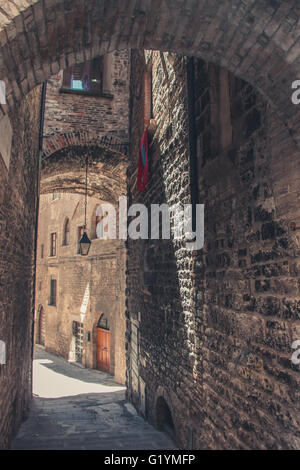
<point>42,251</point>
<point>53,292</point>
<point>85,77</point>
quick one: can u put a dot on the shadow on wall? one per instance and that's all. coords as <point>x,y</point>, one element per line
<point>164,420</point>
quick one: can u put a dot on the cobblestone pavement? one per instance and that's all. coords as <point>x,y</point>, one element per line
<point>76,408</point>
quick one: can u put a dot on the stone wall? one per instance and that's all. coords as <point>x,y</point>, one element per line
<point>17,215</point>
<point>215,327</point>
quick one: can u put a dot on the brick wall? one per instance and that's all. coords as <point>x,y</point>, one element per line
<point>17,214</point>
<point>216,326</point>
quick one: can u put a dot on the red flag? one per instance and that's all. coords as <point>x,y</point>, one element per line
<point>142,177</point>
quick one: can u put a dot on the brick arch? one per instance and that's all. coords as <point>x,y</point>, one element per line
<point>54,143</point>
<point>257,41</point>
<point>64,170</point>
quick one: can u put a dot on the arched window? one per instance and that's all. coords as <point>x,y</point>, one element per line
<point>66,237</point>
<point>103,322</point>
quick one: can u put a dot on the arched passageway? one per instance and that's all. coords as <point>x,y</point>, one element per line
<point>83,285</point>
<point>258,42</point>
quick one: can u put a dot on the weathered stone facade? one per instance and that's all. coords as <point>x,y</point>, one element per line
<point>86,286</point>
<point>212,330</point>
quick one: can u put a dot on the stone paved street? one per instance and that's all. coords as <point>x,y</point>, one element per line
<point>76,408</point>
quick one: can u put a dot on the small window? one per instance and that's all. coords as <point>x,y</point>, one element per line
<point>53,244</point>
<point>42,251</point>
<point>55,196</point>
<point>66,238</point>
<point>79,236</point>
<point>53,292</point>
<point>40,285</point>
<point>85,77</point>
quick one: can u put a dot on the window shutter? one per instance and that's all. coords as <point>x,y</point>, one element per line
<point>97,74</point>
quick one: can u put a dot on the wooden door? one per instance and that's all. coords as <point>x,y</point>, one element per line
<point>103,350</point>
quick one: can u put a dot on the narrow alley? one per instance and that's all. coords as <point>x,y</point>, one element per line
<point>150,225</point>
<point>78,408</point>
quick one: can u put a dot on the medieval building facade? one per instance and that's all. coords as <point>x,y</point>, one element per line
<point>79,299</point>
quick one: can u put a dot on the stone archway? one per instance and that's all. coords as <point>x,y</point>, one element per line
<point>255,41</point>
<point>165,414</point>
<point>64,171</point>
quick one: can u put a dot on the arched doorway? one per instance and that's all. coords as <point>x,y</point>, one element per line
<point>41,330</point>
<point>103,344</point>
<point>164,418</point>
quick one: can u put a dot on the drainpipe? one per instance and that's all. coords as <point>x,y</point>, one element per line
<point>41,131</point>
<point>192,137</point>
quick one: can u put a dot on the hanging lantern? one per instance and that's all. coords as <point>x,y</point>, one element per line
<point>85,242</point>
